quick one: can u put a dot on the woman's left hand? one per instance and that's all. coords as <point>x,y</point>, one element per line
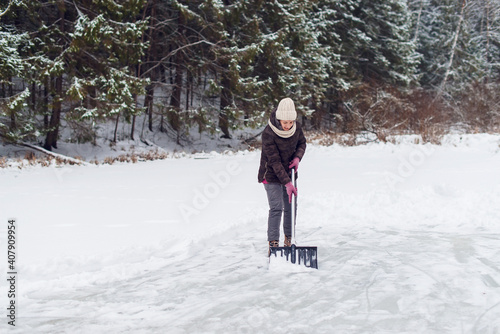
<point>290,189</point>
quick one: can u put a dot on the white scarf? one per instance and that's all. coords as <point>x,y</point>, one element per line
<point>283,133</point>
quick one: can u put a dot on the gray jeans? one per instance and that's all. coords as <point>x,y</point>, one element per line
<point>278,204</point>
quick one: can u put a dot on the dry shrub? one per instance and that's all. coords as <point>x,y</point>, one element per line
<point>31,157</point>
<point>20,163</point>
<point>324,138</point>
<point>45,161</point>
<point>123,158</point>
<point>479,107</point>
<point>427,110</point>
<point>108,160</point>
<point>154,155</point>
<point>431,116</point>
<point>385,111</point>
<point>328,138</point>
<point>377,109</point>
<point>433,134</point>
<point>60,161</point>
<point>135,157</point>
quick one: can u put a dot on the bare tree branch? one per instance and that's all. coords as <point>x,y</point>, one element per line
<point>7,9</point>
<point>170,54</point>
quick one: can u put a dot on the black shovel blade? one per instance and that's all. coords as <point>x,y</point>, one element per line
<point>307,256</point>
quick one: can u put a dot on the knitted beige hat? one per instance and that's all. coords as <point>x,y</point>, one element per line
<point>286,110</point>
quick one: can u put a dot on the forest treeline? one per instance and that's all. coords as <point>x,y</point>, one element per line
<point>382,66</point>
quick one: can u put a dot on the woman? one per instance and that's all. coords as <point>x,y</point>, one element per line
<point>283,146</point>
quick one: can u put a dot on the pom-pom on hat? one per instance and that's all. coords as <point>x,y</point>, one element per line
<point>286,110</point>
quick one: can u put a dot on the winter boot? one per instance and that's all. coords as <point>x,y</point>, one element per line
<point>288,241</point>
<point>274,243</point>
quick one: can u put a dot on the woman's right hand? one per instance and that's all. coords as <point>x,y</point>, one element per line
<point>294,164</point>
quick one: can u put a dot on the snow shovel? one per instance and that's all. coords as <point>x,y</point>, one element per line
<point>307,256</point>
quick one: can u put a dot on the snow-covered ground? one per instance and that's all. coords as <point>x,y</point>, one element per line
<point>408,241</point>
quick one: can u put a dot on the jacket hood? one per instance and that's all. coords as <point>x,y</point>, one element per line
<point>274,120</point>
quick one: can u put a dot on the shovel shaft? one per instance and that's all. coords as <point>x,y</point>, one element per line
<point>293,207</point>
<point>307,256</point>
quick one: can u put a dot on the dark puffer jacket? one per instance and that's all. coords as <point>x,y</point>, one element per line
<point>278,152</point>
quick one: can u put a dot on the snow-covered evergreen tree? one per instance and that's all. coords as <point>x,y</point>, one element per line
<point>484,18</point>
<point>317,60</point>
<point>452,53</point>
<point>257,53</point>
<point>369,42</point>
<point>221,64</point>
<point>381,41</point>
<point>102,57</point>
<point>16,122</point>
<point>78,62</point>
<point>281,29</point>
<point>332,19</point>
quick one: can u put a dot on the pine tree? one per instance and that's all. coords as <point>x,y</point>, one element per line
<point>277,61</point>
<point>290,61</point>
<point>105,50</point>
<point>331,20</point>
<point>271,51</point>
<point>187,45</point>
<point>16,123</point>
<point>451,54</point>
<point>383,42</point>
<point>369,44</point>
<point>79,61</point>
<point>243,38</point>
<point>484,24</point>
<point>316,60</point>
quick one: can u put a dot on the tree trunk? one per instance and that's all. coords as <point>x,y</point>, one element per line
<point>189,86</point>
<point>148,104</point>
<point>225,104</point>
<point>55,118</point>
<point>488,57</point>
<point>317,116</point>
<point>45,106</point>
<point>117,122</point>
<point>453,50</point>
<point>132,128</point>
<point>175,98</point>
<point>33,95</point>
<point>53,133</point>
<point>13,125</point>
<point>163,79</point>
<point>152,55</point>
<point>417,25</point>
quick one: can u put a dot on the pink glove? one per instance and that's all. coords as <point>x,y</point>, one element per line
<point>294,164</point>
<point>290,189</point>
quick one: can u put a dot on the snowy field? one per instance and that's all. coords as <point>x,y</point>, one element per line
<point>408,241</point>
